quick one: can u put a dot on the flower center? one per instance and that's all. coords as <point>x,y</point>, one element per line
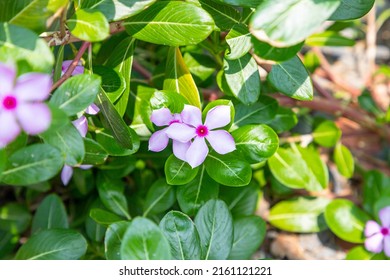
<point>385,231</point>
<point>10,102</point>
<point>202,131</point>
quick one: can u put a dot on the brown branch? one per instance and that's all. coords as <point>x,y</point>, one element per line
<point>140,69</point>
<point>72,66</point>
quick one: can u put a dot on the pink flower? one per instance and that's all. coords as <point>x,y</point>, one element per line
<point>77,71</point>
<point>159,140</point>
<point>378,236</point>
<point>21,104</point>
<point>193,128</point>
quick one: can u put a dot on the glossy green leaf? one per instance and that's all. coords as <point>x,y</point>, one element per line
<point>173,23</point>
<point>179,172</point>
<point>8,242</point>
<point>303,214</point>
<point>239,41</point>
<point>192,196</point>
<point>182,236</point>
<point>242,3</point>
<point>33,164</point>
<point>292,79</point>
<point>375,187</point>
<point>260,112</point>
<point>143,240</point>
<point>215,227</point>
<point>352,9</point>
<point>256,143</point>
<point>284,23</point>
<point>89,25</point>
<point>115,10</point>
<point>94,152</point>
<point>269,52</point>
<point>112,147</point>
<point>329,38</point>
<point>113,239</point>
<point>160,197</point>
<point>23,44</point>
<point>243,78</point>
<point>344,160</point>
<point>14,218</point>
<point>51,213</point>
<point>228,169</point>
<point>327,134</point>
<point>113,82</point>
<point>380,204</point>
<point>53,244</point>
<point>224,16</point>
<point>249,233</point>
<point>178,78</point>
<point>76,93</point>
<point>200,66</point>
<point>104,217</point>
<point>284,120</point>
<point>360,253</point>
<point>346,220</point>
<point>168,99</point>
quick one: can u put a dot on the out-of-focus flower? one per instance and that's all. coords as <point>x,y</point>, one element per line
<point>193,128</point>
<point>378,236</point>
<point>77,71</point>
<point>21,103</point>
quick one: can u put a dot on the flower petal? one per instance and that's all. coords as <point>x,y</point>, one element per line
<point>82,125</point>
<point>219,116</point>
<point>161,117</point>
<point>66,174</point>
<point>384,216</point>
<point>371,228</point>
<point>9,128</point>
<point>181,132</point>
<point>386,242</point>
<point>7,77</point>
<point>34,118</point>
<point>158,141</point>
<point>85,166</point>
<point>180,149</point>
<point>92,109</point>
<point>197,152</point>
<point>33,87</point>
<point>221,141</point>
<point>78,70</point>
<point>191,115</point>
<point>374,243</point>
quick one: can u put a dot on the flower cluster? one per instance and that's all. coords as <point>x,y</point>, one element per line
<point>189,133</point>
<point>21,103</point>
<point>378,236</point>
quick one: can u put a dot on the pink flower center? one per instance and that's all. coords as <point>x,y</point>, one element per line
<point>10,102</point>
<point>202,131</point>
<point>385,231</point>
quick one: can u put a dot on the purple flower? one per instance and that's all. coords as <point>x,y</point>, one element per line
<point>193,128</point>
<point>159,140</point>
<point>77,71</point>
<point>67,172</point>
<point>21,104</point>
<point>378,236</point>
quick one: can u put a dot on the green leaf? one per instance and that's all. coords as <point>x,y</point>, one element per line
<point>352,9</point>
<point>260,112</point>
<point>168,99</point>
<point>69,141</point>
<point>160,197</point>
<point>115,10</point>
<point>327,134</point>
<point>192,196</point>
<point>303,214</point>
<point>32,14</point>
<point>33,164</point>
<point>178,78</point>
<point>329,38</point>
<point>228,169</point>
<point>256,143</point>
<point>375,187</point>
<point>143,240</point>
<point>284,23</point>
<point>249,233</point>
<point>239,41</point>
<point>179,172</point>
<point>14,218</point>
<point>346,220</point>
<point>113,82</point>
<point>24,45</point>
<point>182,236</point>
<point>292,79</point>
<point>224,16</point>
<point>215,227</point>
<point>94,153</point>
<point>359,253</point>
<point>173,23</point>
<point>113,239</point>
<point>344,160</point>
<point>243,3</point>
<point>3,161</point>
<point>112,147</point>
<point>89,25</point>
<point>243,78</point>
<point>284,120</point>
<point>200,66</point>
<point>53,244</point>
<point>111,193</point>
<point>269,52</point>
<point>50,214</point>
<point>103,217</point>
<point>76,93</point>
